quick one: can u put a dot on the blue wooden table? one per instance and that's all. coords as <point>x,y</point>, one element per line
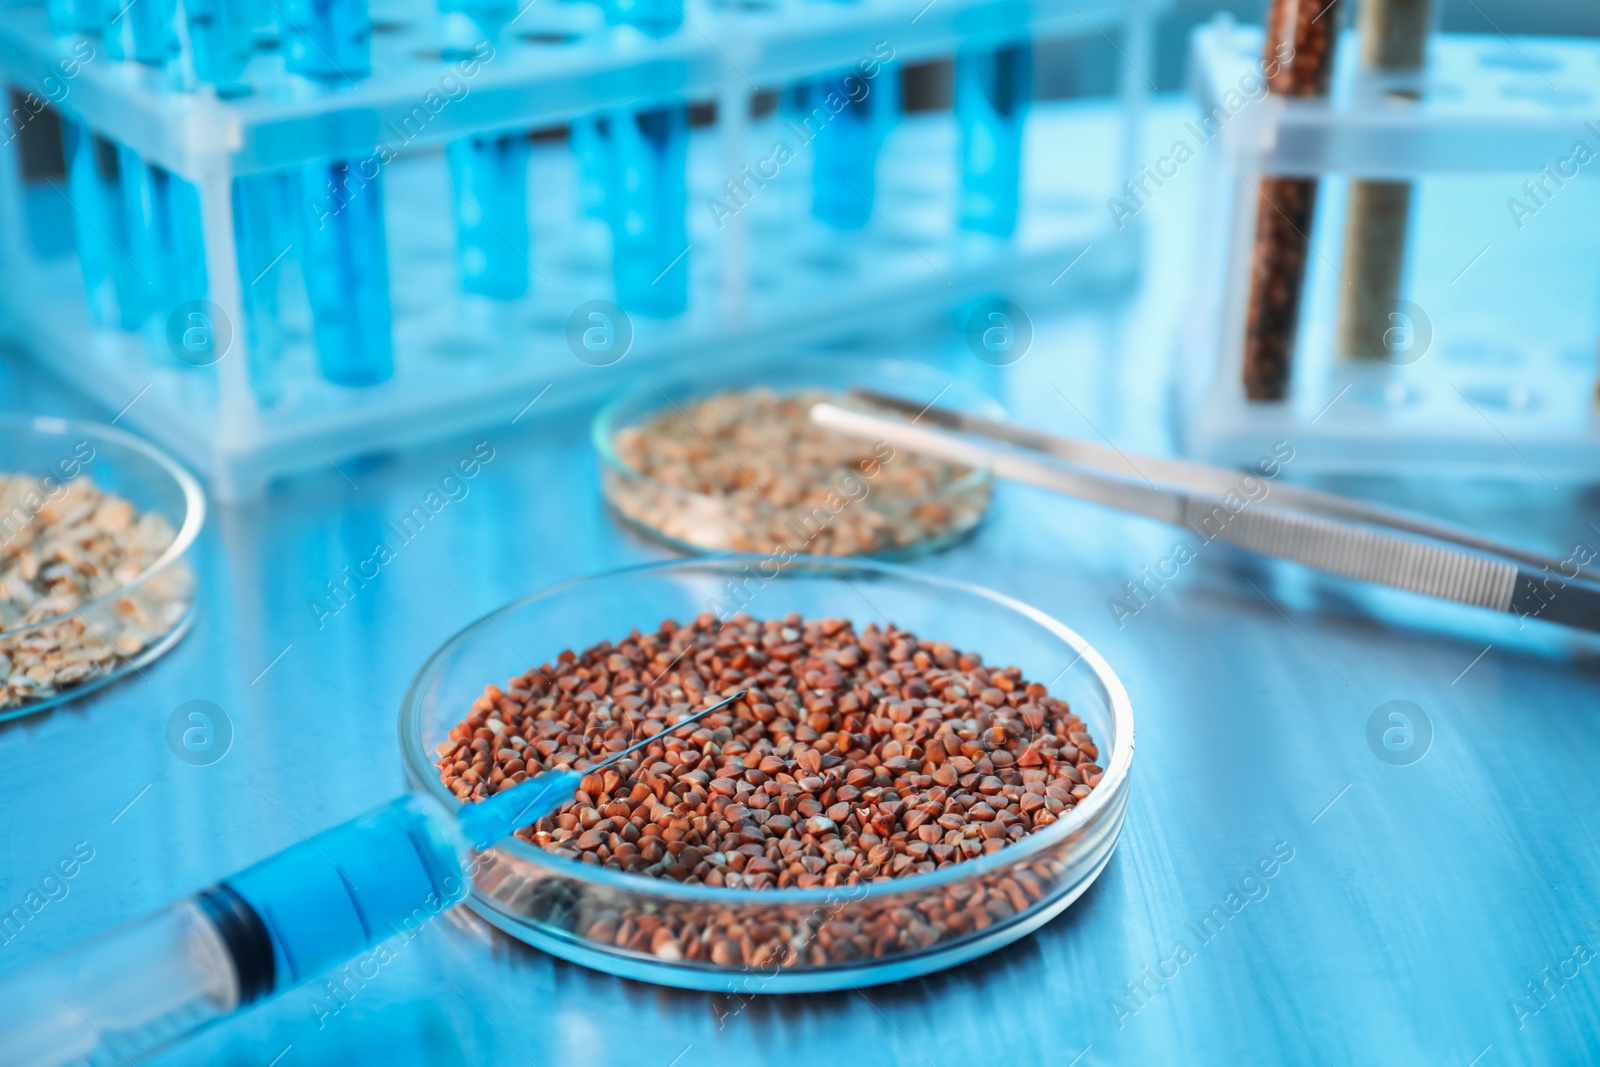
<point>1286,890</point>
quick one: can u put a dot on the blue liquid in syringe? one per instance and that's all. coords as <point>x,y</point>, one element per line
<point>273,926</point>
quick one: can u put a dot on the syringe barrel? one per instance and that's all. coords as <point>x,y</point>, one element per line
<point>125,994</point>
<point>344,890</point>
<point>131,992</point>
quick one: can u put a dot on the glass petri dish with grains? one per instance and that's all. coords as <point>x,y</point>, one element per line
<point>921,771</point>
<point>732,463</point>
<point>95,579</point>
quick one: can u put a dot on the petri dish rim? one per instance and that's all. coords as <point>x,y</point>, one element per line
<point>1103,798</point>
<point>608,420</point>
<point>194,507</point>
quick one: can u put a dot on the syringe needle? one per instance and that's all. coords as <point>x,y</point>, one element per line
<point>498,816</point>
<point>269,927</point>
<point>643,741</point>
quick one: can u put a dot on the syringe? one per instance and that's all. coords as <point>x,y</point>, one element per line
<point>129,993</point>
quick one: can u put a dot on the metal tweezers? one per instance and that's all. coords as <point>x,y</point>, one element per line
<point>1322,530</point>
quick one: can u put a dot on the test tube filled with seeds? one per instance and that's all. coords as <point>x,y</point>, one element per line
<point>1377,221</point>
<point>1298,60</point>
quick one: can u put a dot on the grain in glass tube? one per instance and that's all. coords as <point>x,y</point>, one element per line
<point>1393,40</point>
<point>1286,205</point>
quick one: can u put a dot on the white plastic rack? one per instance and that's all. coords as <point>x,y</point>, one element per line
<point>1479,384</point>
<point>763,276</point>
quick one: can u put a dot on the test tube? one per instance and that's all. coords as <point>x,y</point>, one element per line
<point>345,257</point>
<point>222,37</point>
<point>993,87</point>
<point>144,31</point>
<point>327,39</point>
<point>845,115</point>
<point>583,134</point>
<point>266,23</point>
<point>144,238</point>
<point>643,156</point>
<point>262,206</point>
<point>159,212</point>
<point>114,288</point>
<point>61,16</point>
<point>345,261</point>
<point>162,212</point>
<point>185,248</point>
<point>647,201</point>
<point>1394,35</point>
<point>490,178</point>
<point>654,18</point>
<point>488,173</point>
<point>1298,56</point>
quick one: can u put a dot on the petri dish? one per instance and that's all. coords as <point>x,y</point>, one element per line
<point>865,516</point>
<point>907,924</point>
<point>47,660</point>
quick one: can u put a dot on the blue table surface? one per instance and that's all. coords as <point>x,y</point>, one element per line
<point>1419,903</point>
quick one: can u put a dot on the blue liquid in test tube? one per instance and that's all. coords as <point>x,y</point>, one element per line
<point>90,17</point>
<point>94,184</point>
<point>327,39</point>
<point>269,23</point>
<point>992,93</point>
<point>654,18</point>
<point>345,261</point>
<point>144,238</point>
<point>490,176</point>
<point>222,35</point>
<point>185,244</point>
<point>846,116</point>
<point>263,204</point>
<point>162,213</point>
<point>345,258</point>
<point>642,160</point>
<point>62,16</point>
<point>647,199</point>
<point>143,31</point>
<point>583,134</point>
<point>488,173</point>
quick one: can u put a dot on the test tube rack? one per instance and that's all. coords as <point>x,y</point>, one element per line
<point>1472,389</point>
<point>760,274</point>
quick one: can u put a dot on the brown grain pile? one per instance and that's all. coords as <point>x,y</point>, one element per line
<point>854,757</point>
<point>748,470</point>
<point>62,549</point>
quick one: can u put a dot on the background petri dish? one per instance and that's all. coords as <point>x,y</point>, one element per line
<point>572,910</point>
<point>150,612</point>
<point>698,522</point>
